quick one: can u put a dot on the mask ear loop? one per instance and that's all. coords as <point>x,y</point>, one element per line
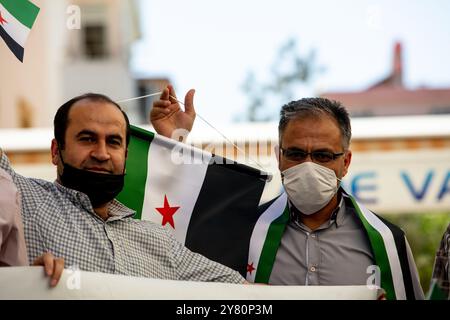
<point>277,150</point>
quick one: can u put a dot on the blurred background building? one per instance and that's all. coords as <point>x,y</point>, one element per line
<point>62,62</point>
<point>389,96</point>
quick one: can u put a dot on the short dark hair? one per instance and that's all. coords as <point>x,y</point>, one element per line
<point>62,116</point>
<point>317,107</point>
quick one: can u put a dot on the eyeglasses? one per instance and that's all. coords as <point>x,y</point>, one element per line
<point>298,155</point>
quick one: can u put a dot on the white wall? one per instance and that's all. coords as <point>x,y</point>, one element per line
<point>50,76</point>
<point>37,78</point>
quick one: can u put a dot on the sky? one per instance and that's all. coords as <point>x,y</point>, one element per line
<point>212,45</point>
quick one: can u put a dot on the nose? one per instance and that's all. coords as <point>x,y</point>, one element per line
<point>308,157</point>
<point>100,151</point>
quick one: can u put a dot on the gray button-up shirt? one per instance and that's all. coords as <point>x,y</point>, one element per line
<point>63,222</point>
<point>336,253</point>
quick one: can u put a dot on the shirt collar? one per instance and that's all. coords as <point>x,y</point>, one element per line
<point>338,213</point>
<point>117,210</point>
<point>336,217</point>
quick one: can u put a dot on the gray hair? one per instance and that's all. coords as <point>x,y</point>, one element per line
<point>317,107</point>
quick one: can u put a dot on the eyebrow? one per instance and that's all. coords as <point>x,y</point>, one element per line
<point>114,136</point>
<point>86,132</point>
<point>315,150</point>
<point>92,133</point>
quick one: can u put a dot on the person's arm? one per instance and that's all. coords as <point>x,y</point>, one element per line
<point>6,165</point>
<point>166,115</point>
<point>191,266</point>
<point>12,241</point>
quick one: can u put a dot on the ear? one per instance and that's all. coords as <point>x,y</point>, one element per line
<point>55,152</point>
<point>347,161</point>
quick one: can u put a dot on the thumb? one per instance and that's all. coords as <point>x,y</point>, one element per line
<point>189,103</point>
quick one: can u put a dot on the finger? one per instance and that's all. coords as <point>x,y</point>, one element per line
<point>45,260</point>
<point>165,110</point>
<point>38,261</point>
<point>173,96</point>
<point>48,263</point>
<point>161,104</point>
<point>165,94</point>
<point>58,269</point>
<point>165,113</point>
<point>189,103</point>
<point>158,113</point>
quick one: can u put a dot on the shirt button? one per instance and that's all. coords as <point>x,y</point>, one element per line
<point>312,269</point>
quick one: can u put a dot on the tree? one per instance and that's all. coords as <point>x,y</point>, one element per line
<point>288,73</point>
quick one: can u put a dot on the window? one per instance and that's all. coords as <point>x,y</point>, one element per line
<point>95,41</point>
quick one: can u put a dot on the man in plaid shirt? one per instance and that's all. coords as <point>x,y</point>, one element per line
<point>78,218</point>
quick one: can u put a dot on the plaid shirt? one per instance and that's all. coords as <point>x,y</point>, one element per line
<point>62,221</point>
<point>441,270</point>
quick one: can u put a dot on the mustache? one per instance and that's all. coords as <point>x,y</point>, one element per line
<point>95,165</point>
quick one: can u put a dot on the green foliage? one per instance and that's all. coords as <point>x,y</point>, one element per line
<point>424,233</point>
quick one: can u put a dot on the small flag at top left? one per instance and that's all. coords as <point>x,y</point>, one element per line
<point>16,20</point>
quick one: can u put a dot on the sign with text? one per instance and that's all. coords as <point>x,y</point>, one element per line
<point>401,181</point>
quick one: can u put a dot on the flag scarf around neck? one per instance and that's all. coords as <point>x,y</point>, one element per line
<point>16,20</point>
<point>210,205</point>
<point>391,250</point>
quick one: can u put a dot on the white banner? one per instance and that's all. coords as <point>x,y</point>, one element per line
<point>30,283</point>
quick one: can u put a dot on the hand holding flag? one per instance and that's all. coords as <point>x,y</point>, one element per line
<point>167,116</point>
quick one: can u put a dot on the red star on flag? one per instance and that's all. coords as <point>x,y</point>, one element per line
<point>2,19</point>
<point>167,212</point>
<point>250,268</point>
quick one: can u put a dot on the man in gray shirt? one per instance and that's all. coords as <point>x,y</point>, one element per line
<point>315,233</point>
<point>77,217</point>
<point>330,239</point>
<point>336,253</point>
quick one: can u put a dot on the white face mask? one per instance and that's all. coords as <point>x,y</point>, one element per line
<point>310,186</point>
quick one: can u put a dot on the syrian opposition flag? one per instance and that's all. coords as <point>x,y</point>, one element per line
<point>208,202</point>
<point>16,19</point>
<point>398,274</point>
